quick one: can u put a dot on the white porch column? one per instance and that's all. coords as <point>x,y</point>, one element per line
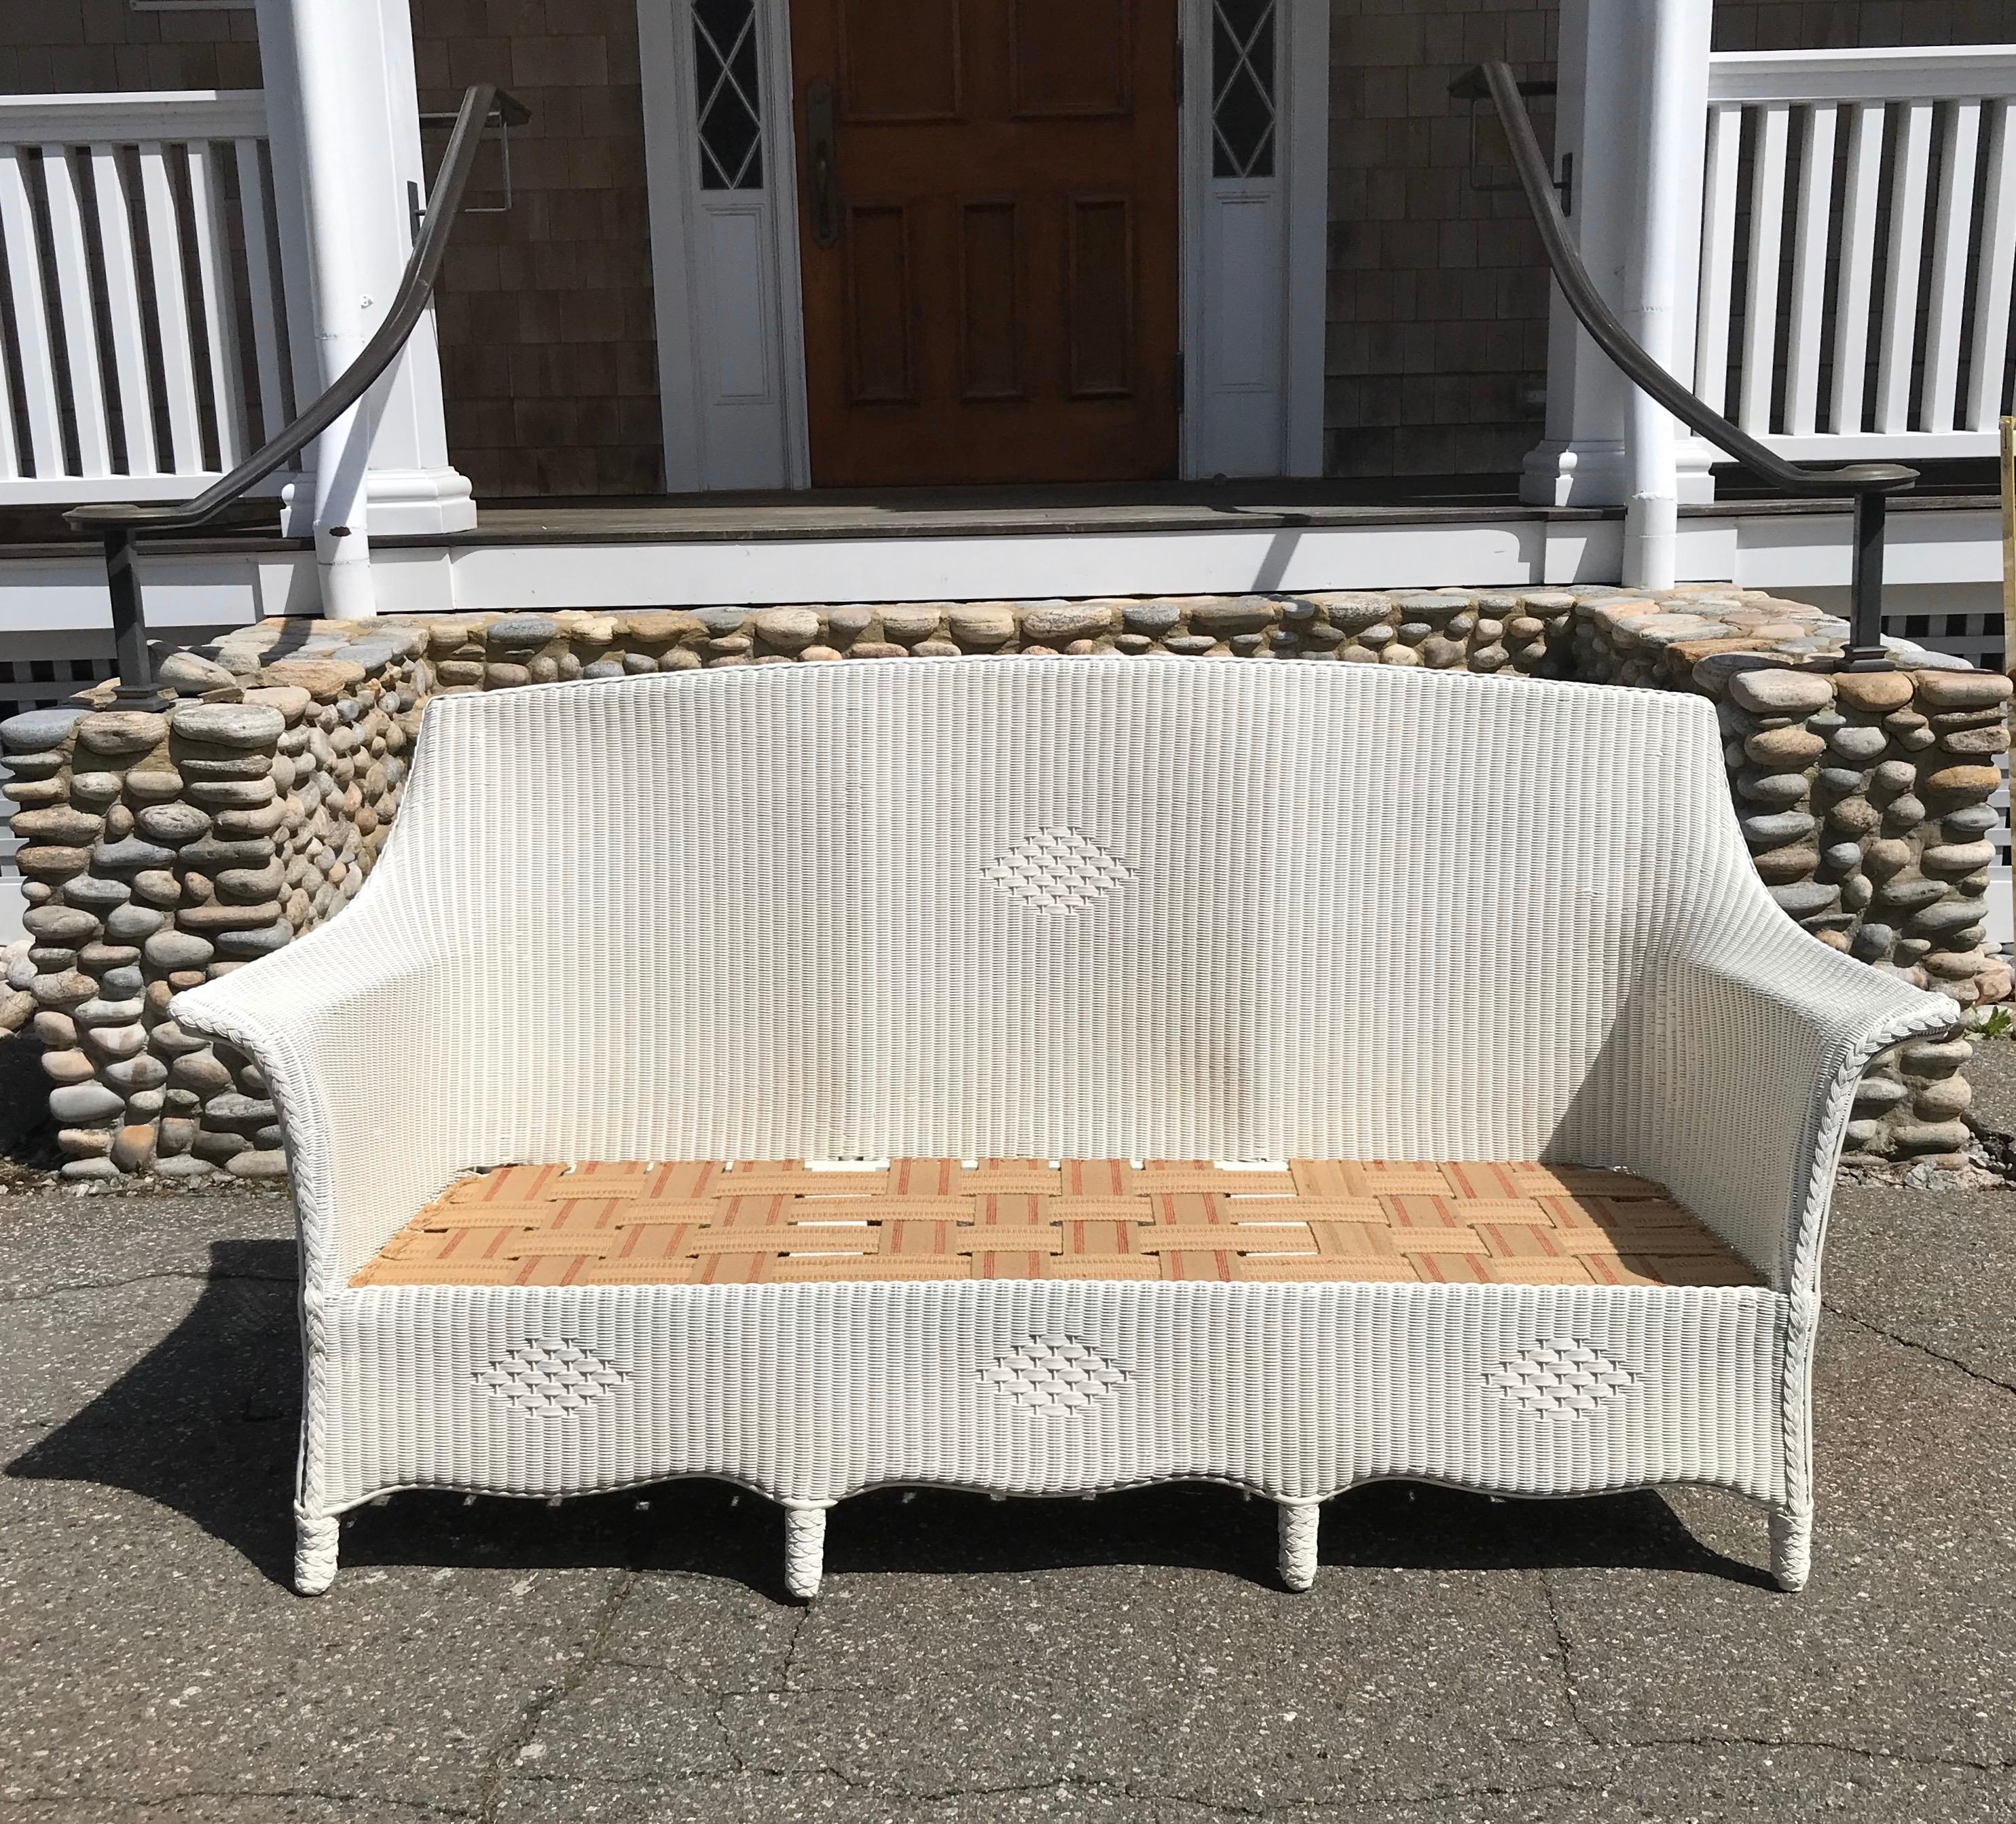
<point>1632,113</point>
<point>343,120</point>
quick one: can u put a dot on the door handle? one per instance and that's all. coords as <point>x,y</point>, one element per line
<point>823,157</point>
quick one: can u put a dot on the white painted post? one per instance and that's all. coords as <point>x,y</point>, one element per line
<point>1661,270</point>
<point>1632,113</point>
<point>343,122</point>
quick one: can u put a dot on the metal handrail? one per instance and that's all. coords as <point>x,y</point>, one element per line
<point>119,523</point>
<point>1869,483</point>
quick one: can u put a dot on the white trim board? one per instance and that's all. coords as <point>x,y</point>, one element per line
<point>1933,556</point>
<point>724,271</point>
<point>727,291</point>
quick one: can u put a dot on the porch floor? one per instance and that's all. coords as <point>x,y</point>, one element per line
<point>1258,505</point>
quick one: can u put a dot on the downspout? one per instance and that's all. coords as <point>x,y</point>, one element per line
<point>1672,137</point>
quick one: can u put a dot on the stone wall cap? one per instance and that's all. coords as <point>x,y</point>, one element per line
<point>35,731</point>
<point>788,629</point>
<point>289,700</point>
<point>656,624</point>
<point>1875,691</point>
<point>1776,692</point>
<point>521,630</point>
<point>191,671</point>
<point>323,679</point>
<point>117,732</point>
<point>1970,689</point>
<point>229,724</point>
<point>375,654</point>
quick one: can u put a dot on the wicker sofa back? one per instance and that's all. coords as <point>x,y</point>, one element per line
<point>969,909</point>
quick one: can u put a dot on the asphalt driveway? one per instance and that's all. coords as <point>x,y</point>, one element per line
<point>631,1658</point>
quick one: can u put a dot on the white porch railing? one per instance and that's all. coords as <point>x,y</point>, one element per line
<point>1859,249</point>
<point>142,346</point>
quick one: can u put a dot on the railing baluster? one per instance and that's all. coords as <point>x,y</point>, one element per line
<point>1869,483</point>
<point>124,321</point>
<point>220,303</point>
<point>71,259</point>
<point>1939,388</point>
<point>40,398</point>
<point>1760,303</point>
<point>117,524</point>
<point>1860,198</point>
<point>1900,281</point>
<point>10,454</point>
<point>1989,362</point>
<point>1718,266</point>
<point>261,290</point>
<point>1809,262</point>
<point>164,241</point>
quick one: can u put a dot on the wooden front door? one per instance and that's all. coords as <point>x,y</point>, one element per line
<point>988,229</point>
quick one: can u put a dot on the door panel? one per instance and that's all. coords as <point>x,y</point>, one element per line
<point>990,347</point>
<point>919,82</point>
<point>999,303</point>
<point>1070,57</point>
<point>881,306</point>
<point>1102,293</point>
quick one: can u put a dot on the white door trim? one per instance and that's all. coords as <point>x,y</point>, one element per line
<point>1306,288</point>
<point>733,415</point>
<point>1253,254</point>
<point>1253,363</point>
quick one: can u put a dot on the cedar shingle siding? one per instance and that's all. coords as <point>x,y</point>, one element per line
<point>1436,336</point>
<point>1436,342</point>
<point>547,342</point>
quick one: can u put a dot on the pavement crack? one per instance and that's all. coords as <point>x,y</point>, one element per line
<point>1898,1756</point>
<point>1564,1660</point>
<point>785,1672</point>
<point>206,1276</point>
<point>173,1802</point>
<point>601,1625</point>
<point>1912,1343</point>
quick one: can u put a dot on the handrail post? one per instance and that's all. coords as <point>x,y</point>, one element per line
<point>130,655</point>
<point>1864,651</point>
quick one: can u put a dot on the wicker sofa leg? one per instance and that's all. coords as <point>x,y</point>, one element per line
<point>1792,1547</point>
<point>1300,1523</point>
<point>805,1550</point>
<point>314,1551</point>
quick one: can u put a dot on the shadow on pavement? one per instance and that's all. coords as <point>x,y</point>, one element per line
<point>205,1425</point>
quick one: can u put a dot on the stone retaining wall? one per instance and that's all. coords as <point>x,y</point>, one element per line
<point>171,842</point>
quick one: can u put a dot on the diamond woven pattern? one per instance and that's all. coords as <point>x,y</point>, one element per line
<point>1058,870</point>
<point>705,1223</point>
<point>559,1378</point>
<point>1055,1376</point>
<point>1553,1379</point>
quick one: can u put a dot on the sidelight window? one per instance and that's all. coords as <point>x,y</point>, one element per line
<point>730,115</point>
<point>1242,100</point>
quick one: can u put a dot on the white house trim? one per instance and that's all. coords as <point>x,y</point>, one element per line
<point>343,129</point>
<point>1253,254</point>
<point>1306,94</point>
<point>1252,276</point>
<point>1934,558</point>
<point>731,366</point>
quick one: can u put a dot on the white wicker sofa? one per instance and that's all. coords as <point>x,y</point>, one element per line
<point>1031,910</point>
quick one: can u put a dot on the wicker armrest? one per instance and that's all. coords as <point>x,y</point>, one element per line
<point>1756,1038</point>
<point>355,1028</point>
